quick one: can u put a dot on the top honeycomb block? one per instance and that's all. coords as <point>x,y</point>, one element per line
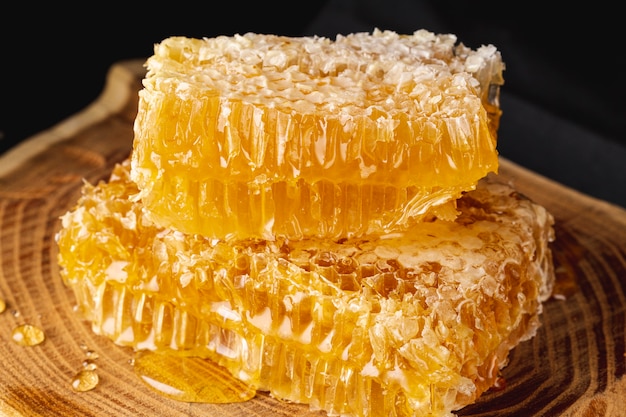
<point>264,136</point>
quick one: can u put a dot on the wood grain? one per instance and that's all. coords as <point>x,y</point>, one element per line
<point>575,365</point>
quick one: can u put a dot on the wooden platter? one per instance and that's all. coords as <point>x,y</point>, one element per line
<point>575,365</point>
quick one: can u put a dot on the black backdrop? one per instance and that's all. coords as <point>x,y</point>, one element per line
<point>563,99</point>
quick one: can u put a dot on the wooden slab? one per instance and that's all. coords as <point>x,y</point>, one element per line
<point>574,367</point>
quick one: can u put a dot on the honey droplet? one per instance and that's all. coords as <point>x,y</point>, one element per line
<point>3,305</point>
<point>85,380</point>
<point>190,379</point>
<point>28,335</point>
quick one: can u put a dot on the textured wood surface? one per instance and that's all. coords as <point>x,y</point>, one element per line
<point>574,367</point>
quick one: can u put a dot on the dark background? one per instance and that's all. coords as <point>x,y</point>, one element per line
<point>563,99</point>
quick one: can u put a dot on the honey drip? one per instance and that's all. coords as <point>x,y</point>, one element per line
<point>28,335</point>
<point>189,379</point>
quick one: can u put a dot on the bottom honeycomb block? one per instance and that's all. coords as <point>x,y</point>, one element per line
<point>417,323</point>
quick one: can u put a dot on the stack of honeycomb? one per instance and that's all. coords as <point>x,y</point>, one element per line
<point>320,217</point>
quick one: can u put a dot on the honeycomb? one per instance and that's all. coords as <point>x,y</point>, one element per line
<point>257,136</point>
<point>417,322</point>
